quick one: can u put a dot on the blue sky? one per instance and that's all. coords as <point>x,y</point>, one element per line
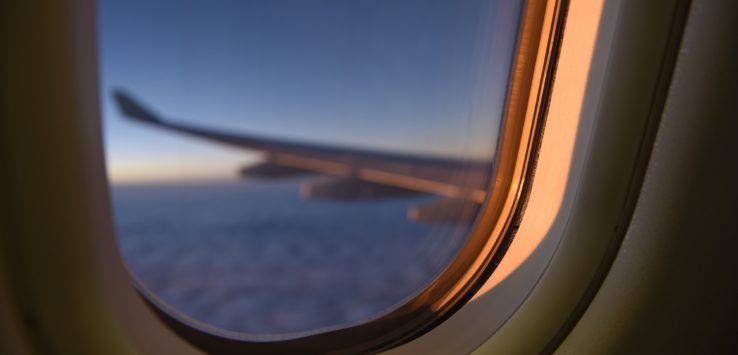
<point>415,76</point>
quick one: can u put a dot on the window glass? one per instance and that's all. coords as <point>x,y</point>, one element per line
<point>279,166</point>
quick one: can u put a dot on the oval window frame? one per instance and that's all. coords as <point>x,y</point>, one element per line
<point>539,35</point>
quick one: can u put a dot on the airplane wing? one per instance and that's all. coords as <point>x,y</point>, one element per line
<point>359,174</point>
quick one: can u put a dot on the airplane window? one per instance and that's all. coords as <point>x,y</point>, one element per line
<point>287,167</point>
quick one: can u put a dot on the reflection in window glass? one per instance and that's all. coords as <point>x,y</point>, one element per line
<point>280,166</point>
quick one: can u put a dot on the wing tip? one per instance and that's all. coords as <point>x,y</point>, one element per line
<point>132,108</point>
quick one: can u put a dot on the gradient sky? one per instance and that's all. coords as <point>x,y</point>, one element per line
<point>415,76</point>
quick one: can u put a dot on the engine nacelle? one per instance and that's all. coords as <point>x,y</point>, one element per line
<point>351,189</point>
<point>447,210</point>
<point>267,170</point>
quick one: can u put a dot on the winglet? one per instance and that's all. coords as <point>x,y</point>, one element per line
<point>133,109</point>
